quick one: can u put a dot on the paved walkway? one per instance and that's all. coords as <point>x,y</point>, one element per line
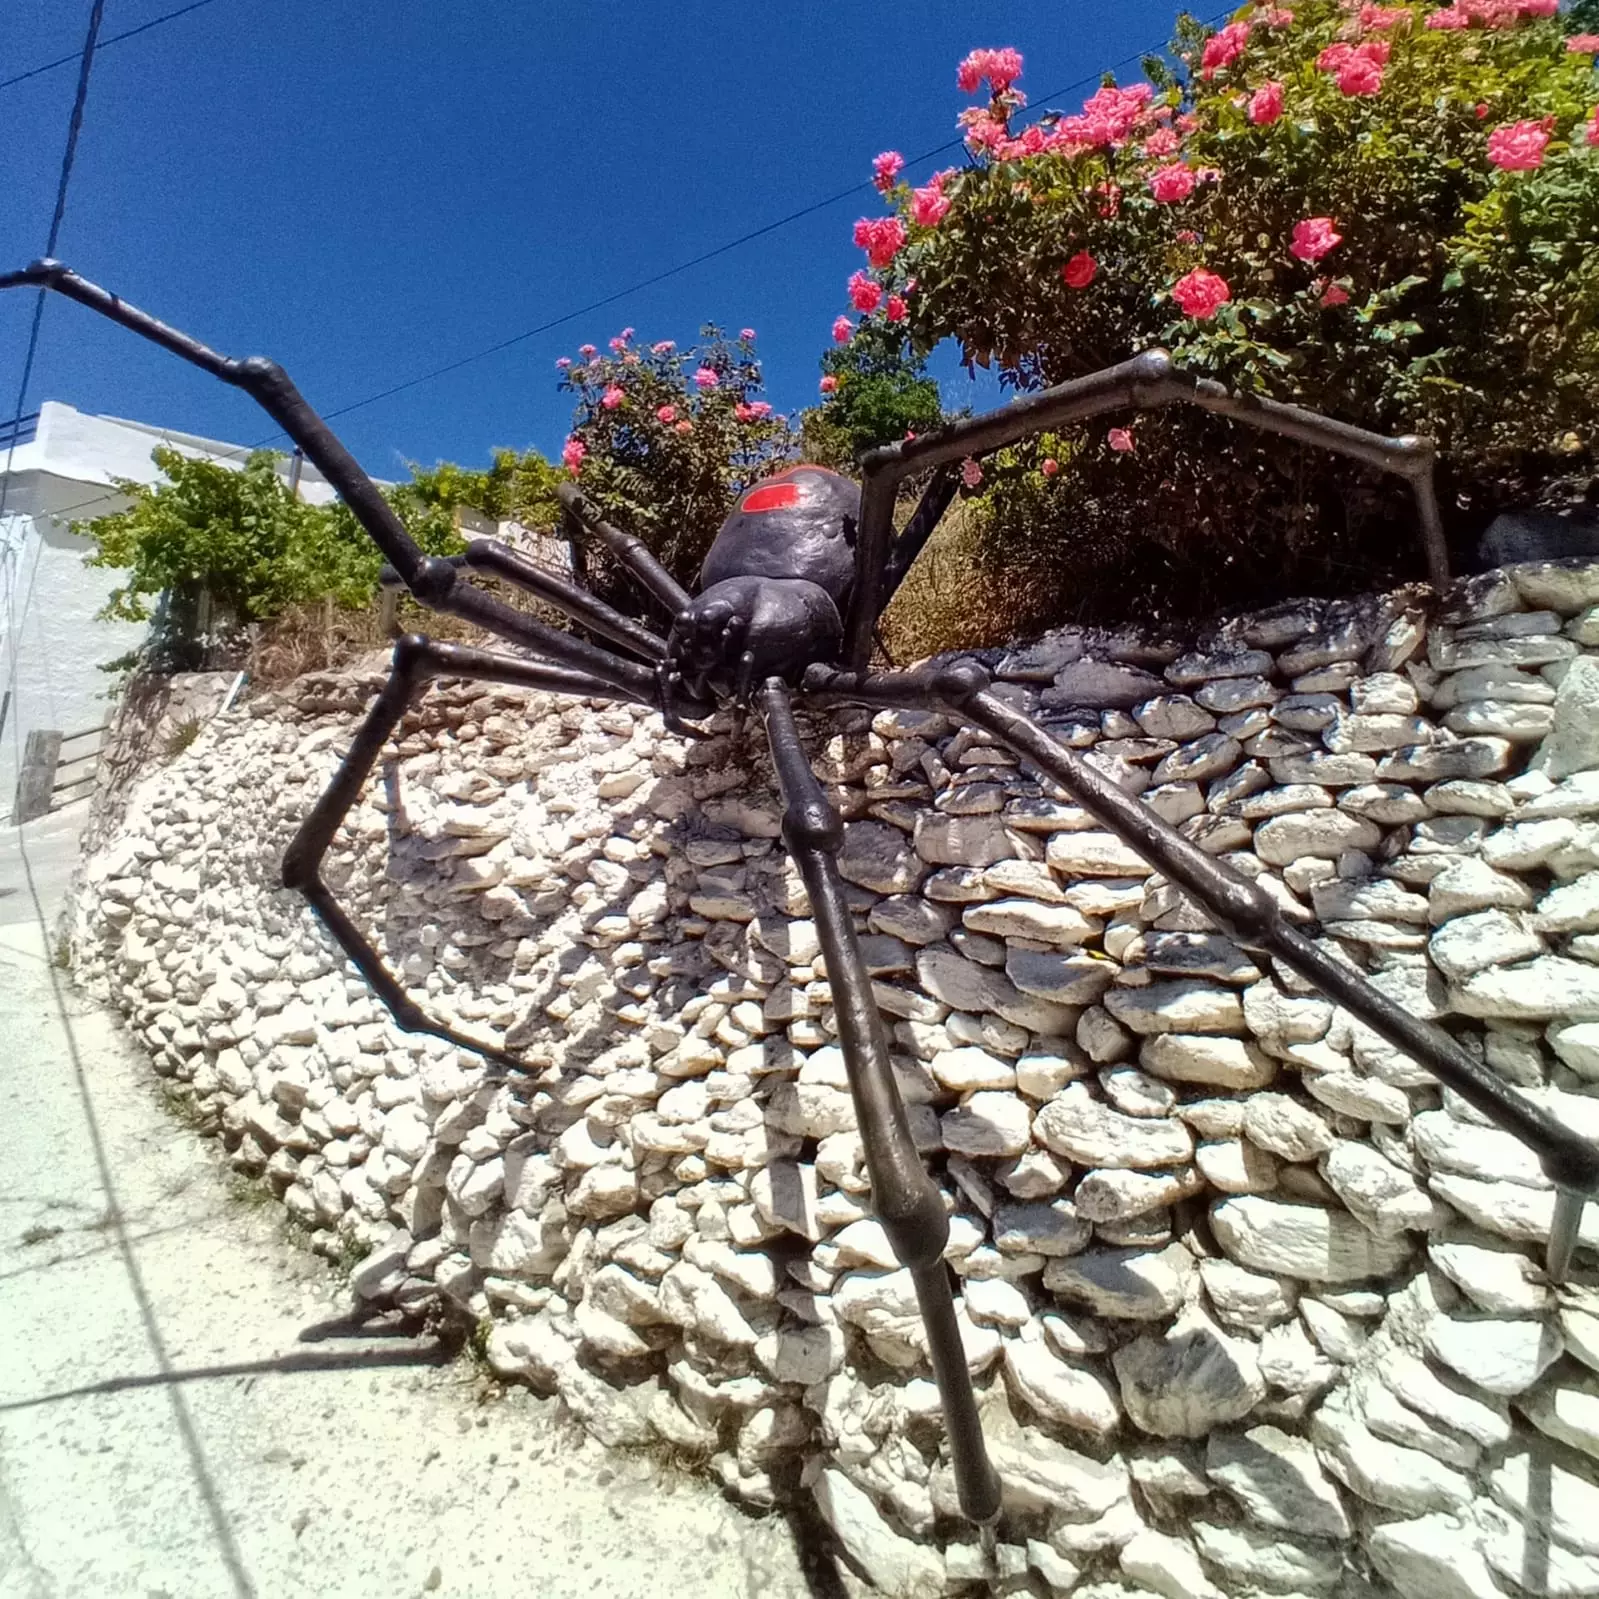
<point>185,1412</point>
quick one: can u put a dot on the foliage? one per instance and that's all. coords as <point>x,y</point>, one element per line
<point>875,389</point>
<point>1387,213</point>
<point>663,440</point>
<point>241,544</point>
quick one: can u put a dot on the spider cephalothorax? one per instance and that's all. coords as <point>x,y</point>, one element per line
<point>773,587</point>
<point>790,595</point>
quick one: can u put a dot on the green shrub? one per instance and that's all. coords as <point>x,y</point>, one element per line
<point>875,389</point>
<point>239,544</point>
<point>1396,222</point>
<point>663,440</point>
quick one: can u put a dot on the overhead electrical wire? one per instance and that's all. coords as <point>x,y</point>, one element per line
<point>434,373</point>
<point>111,39</point>
<point>10,556</point>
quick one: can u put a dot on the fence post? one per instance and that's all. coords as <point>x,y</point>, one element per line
<point>40,757</point>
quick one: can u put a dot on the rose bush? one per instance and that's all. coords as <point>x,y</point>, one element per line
<point>664,439</point>
<point>1387,213</point>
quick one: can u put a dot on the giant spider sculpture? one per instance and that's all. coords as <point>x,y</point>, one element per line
<point>784,614</point>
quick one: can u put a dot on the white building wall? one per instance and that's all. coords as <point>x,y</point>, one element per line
<point>52,646</point>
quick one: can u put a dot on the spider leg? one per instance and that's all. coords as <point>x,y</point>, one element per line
<point>500,560</point>
<point>631,553</point>
<point>432,579</point>
<point>1149,381</point>
<point>905,1198</point>
<point>416,661</point>
<point>961,691</point>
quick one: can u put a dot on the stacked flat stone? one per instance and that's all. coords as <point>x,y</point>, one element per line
<point>1253,1306</point>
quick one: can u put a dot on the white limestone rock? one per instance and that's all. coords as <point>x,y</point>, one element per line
<point>1386,1198</point>
<point>987,1123</point>
<point>1190,1379</point>
<point>1470,944</point>
<point>1094,854</point>
<point>1498,1280</point>
<point>1380,1472</point>
<point>1064,1396</point>
<point>1119,1195</point>
<point>1126,1284</point>
<point>1256,1559</point>
<point>1031,919</point>
<point>1200,1058</point>
<point>1431,1556</point>
<point>1548,988</point>
<point>1278,1480</point>
<point>1469,885</point>
<point>1051,1230</point>
<point>1167,1565</point>
<point>1303,1241</point>
<point>1086,1130</point>
<point>1538,1486</point>
<point>895,1565</point>
<point>1181,1006</point>
<point>1324,835</point>
<point>1287,1127</point>
<point>1248,1300</point>
<point>1236,1166</point>
<point>1566,1411</point>
<point>1497,1355</point>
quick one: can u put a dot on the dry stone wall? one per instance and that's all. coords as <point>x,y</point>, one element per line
<point>1254,1307</point>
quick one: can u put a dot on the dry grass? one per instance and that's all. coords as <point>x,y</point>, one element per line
<point>948,601</point>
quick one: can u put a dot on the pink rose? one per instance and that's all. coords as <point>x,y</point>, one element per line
<point>747,335</point>
<point>843,328</point>
<point>587,351</point>
<point>1313,238</point>
<point>928,205</point>
<point>885,168</point>
<point>864,294</point>
<point>1450,20</point>
<point>1201,294</point>
<point>998,68</point>
<point>1163,141</point>
<point>1224,48</point>
<point>662,347</point>
<point>1050,466</point>
<point>829,384</point>
<point>684,429</point>
<point>1583,44</point>
<point>895,309</point>
<point>612,397</point>
<point>705,378</point>
<point>564,362</point>
<point>1278,18</point>
<point>971,473</point>
<point>1079,272</point>
<point>1593,126</point>
<point>1518,146</point>
<point>1360,76</point>
<point>1334,294</point>
<point>666,413</point>
<point>881,238</point>
<point>1120,440</point>
<point>572,453</point>
<point>1266,104</point>
<point>1171,182</point>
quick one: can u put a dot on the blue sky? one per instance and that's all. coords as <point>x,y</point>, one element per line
<point>366,189</point>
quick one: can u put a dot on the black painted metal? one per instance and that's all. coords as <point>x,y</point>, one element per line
<point>906,1199</point>
<point>1148,381</point>
<point>1240,906</point>
<point>416,661</point>
<point>767,620</point>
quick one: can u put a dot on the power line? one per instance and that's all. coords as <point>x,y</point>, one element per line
<point>115,38</point>
<point>13,550</point>
<point>666,273</point>
<point>698,260</point>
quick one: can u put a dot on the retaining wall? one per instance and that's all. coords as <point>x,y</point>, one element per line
<point>1253,1305</point>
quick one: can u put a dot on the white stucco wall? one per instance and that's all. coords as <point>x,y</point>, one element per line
<point>52,647</point>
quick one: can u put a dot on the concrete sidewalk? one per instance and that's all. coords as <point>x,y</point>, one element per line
<point>184,1411</point>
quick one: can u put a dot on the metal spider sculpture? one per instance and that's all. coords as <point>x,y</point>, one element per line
<point>784,614</point>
